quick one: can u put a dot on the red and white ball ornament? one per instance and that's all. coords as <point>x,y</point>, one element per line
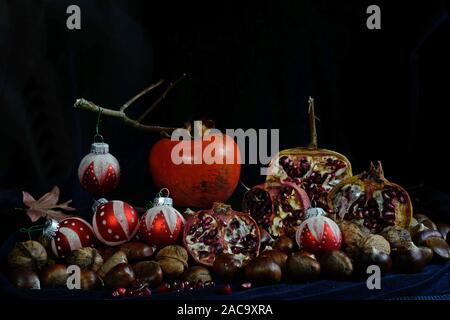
<point>115,222</point>
<point>318,233</point>
<point>162,224</point>
<point>99,171</point>
<point>72,234</point>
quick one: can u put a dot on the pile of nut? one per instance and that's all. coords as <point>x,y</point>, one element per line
<point>135,268</point>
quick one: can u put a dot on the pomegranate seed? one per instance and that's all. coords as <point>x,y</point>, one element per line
<point>246,285</point>
<point>165,287</point>
<point>227,289</point>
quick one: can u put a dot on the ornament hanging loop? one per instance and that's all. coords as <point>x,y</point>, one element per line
<point>162,198</point>
<point>164,192</point>
<point>98,136</point>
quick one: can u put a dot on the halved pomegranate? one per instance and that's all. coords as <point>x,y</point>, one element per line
<point>373,199</point>
<point>278,207</point>
<point>209,233</point>
<point>315,170</point>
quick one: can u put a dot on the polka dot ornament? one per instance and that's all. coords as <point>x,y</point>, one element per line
<point>115,222</point>
<point>72,234</point>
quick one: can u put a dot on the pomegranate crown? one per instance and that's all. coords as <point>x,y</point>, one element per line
<point>375,172</point>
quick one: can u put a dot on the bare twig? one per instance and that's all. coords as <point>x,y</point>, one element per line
<point>120,114</point>
<point>90,106</point>
<point>163,96</point>
<point>140,94</point>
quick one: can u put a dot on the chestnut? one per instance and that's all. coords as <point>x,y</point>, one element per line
<point>117,258</point>
<point>301,267</point>
<point>276,255</point>
<point>29,255</point>
<point>284,244</point>
<point>148,273</point>
<point>433,239</point>
<point>137,251</point>
<point>421,218</point>
<point>25,279</point>
<point>263,270</point>
<point>411,259</point>
<point>443,228</point>
<point>89,280</point>
<point>365,259</point>
<point>304,253</point>
<point>227,266</point>
<point>85,258</point>
<point>336,264</point>
<point>197,274</point>
<point>420,237</point>
<point>54,276</point>
<point>121,276</point>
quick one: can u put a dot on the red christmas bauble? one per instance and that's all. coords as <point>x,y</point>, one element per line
<point>115,222</point>
<point>161,225</point>
<point>99,171</point>
<point>72,234</point>
<point>318,234</point>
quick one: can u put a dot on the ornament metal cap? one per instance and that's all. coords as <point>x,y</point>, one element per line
<point>315,212</point>
<point>99,148</point>
<point>162,198</point>
<point>98,203</point>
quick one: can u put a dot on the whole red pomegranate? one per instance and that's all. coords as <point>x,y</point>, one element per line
<point>195,182</point>
<point>373,199</point>
<point>209,233</point>
<point>278,207</point>
<point>317,171</point>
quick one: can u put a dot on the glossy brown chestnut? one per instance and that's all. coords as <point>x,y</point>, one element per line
<point>276,255</point>
<point>365,259</point>
<point>86,258</point>
<point>29,255</point>
<point>284,244</point>
<point>303,253</point>
<point>89,280</point>
<point>25,279</point>
<point>411,259</point>
<point>427,222</point>
<point>443,228</point>
<point>136,251</point>
<point>336,265</point>
<point>420,237</point>
<point>197,274</point>
<point>265,238</point>
<point>302,268</point>
<point>121,276</point>
<point>263,270</point>
<point>54,276</point>
<point>227,267</point>
<point>117,258</point>
<point>441,250</point>
<point>148,273</point>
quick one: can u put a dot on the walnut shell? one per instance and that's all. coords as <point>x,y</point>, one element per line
<point>197,274</point>
<point>173,260</point>
<point>352,236</point>
<point>86,258</point>
<point>396,236</point>
<point>29,255</point>
<point>375,243</point>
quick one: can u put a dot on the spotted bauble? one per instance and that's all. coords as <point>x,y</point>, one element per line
<point>318,233</point>
<point>115,222</point>
<point>162,224</point>
<point>99,171</point>
<point>72,234</point>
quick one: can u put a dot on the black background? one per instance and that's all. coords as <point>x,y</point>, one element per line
<point>380,94</point>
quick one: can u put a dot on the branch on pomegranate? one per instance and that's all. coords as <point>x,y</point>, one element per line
<point>312,124</point>
<point>163,96</point>
<point>91,106</point>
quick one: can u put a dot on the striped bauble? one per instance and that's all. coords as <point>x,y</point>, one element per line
<point>115,222</point>
<point>73,233</point>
